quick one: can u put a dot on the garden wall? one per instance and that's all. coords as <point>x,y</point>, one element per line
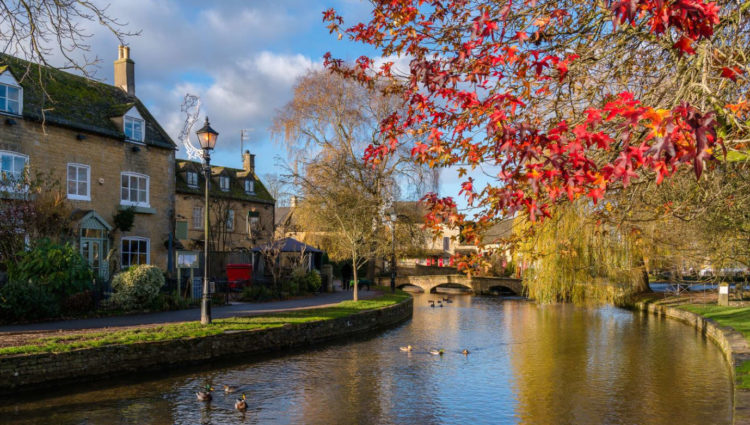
<point>26,372</point>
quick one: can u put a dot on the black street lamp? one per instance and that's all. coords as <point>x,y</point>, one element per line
<point>207,138</point>
<point>393,251</point>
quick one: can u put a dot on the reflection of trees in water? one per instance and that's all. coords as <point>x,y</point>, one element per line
<point>580,365</point>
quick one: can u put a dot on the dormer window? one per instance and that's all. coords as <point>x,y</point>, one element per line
<point>224,183</point>
<point>134,129</point>
<point>10,99</point>
<point>192,179</point>
<point>249,186</point>
<point>11,94</point>
<point>134,126</point>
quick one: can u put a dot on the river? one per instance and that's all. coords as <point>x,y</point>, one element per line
<point>528,364</point>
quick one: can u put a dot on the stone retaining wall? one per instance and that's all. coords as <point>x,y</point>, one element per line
<point>732,343</point>
<point>25,372</point>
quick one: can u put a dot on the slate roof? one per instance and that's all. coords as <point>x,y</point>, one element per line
<point>289,245</point>
<point>236,184</point>
<point>77,102</point>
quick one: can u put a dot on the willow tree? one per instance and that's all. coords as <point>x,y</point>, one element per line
<point>574,257</point>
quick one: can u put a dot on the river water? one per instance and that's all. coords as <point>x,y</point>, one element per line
<point>528,364</point>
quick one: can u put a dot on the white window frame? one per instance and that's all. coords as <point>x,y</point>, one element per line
<point>249,186</point>
<point>201,219</point>
<point>129,202</point>
<point>14,187</point>
<point>76,196</point>
<point>130,118</point>
<point>187,177</point>
<point>138,239</point>
<point>223,179</point>
<point>230,220</point>
<point>7,80</point>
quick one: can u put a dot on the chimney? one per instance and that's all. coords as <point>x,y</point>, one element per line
<point>125,71</point>
<point>293,201</point>
<point>248,162</point>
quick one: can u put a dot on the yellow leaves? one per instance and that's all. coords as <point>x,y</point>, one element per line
<point>656,118</point>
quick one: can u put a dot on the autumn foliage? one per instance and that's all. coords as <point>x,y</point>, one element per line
<point>554,99</point>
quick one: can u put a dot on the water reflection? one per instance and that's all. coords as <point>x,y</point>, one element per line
<point>528,365</point>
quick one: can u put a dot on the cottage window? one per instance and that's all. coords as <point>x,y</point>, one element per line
<point>10,99</point>
<point>197,217</point>
<point>230,220</point>
<point>134,129</point>
<point>134,189</point>
<point>224,183</point>
<point>253,226</point>
<point>12,166</point>
<point>249,186</point>
<point>135,251</point>
<point>192,179</point>
<point>79,176</point>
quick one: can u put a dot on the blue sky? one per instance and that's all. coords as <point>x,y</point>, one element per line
<point>241,57</point>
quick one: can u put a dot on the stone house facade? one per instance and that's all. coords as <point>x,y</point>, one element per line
<point>103,146</point>
<point>241,209</point>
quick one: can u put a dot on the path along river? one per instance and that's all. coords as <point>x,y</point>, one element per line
<point>528,364</point>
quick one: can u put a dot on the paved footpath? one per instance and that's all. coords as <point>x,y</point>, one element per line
<point>217,312</point>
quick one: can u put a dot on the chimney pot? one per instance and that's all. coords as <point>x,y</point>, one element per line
<point>125,70</point>
<point>293,201</point>
<point>248,162</point>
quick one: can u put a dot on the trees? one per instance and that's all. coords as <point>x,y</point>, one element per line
<point>562,99</point>
<point>37,30</point>
<point>326,126</point>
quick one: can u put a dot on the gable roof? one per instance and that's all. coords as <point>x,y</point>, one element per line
<point>287,245</point>
<point>236,186</point>
<point>77,102</point>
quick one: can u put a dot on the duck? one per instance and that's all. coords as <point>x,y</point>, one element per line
<point>432,303</point>
<point>436,352</point>
<point>440,303</point>
<point>448,300</point>
<point>204,395</point>
<point>241,403</point>
<point>465,352</point>
<point>229,390</point>
<point>407,348</point>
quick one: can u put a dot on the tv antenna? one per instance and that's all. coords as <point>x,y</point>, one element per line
<point>244,135</point>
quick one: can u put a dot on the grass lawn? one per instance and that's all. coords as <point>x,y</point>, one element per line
<point>74,341</point>
<point>736,317</point>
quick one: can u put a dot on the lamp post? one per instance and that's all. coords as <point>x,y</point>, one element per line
<point>393,251</point>
<point>207,138</point>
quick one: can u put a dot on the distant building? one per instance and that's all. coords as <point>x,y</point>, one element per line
<point>241,209</point>
<point>103,145</point>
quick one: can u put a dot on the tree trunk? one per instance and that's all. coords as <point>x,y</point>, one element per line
<point>642,284</point>
<point>356,283</point>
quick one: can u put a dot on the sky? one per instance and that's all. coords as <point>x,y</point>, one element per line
<point>241,57</point>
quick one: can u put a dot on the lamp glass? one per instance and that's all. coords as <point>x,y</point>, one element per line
<point>207,136</point>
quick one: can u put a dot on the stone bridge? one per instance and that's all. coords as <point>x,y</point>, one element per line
<point>477,284</point>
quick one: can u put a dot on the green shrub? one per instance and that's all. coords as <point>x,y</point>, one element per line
<point>137,287</point>
<point>168,302</point>
<point>256,293</point>
<point>314,282</point>
<point>59,269</point>
<point>79,303</point>
<point>26,301</point>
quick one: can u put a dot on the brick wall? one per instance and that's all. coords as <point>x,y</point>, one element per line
<point>51,148</point>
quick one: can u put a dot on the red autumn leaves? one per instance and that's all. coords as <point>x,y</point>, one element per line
<point>470,75</point>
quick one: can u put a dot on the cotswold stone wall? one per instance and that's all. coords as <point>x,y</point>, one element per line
<point>25,372</point>
<point>732,343</point>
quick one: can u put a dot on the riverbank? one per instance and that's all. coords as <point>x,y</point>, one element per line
<point>80,356</point>
<point>721,325</point>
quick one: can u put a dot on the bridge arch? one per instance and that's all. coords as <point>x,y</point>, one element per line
<point>454,285</point>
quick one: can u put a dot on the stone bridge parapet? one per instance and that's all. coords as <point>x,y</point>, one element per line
<point>477,284</point>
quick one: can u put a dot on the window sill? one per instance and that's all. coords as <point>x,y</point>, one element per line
<point>135,142</point>
<point>79,198</point>
<point>138,209</point>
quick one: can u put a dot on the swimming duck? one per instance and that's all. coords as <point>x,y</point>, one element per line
<point>448,300</point>
<point>440,303</point>
<point>407,348</point>
<point>205,395</point>
<point>229,390</point>
<point>435,352</point>
<point>465,352</point>
<point>241,403</point>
